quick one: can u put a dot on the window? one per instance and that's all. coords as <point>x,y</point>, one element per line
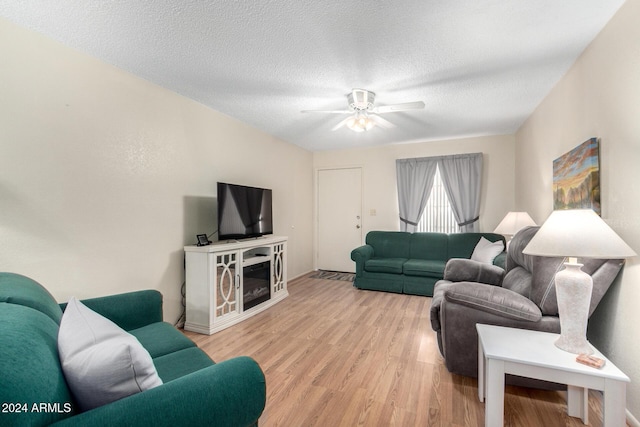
<point>438,215</point>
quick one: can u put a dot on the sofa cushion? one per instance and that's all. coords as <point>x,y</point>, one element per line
<point>21,290</point>
<point>389,244</point>
<point>429,246</point>
<point>425,268</point>
<point>30,366</point>
<point>500,260</point>
<point>180,363</point>
<point>385,265</point>
<point>161,338</point>
<point>101,362</point>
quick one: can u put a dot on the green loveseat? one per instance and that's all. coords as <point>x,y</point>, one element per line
<point>411,263</point>
<point>195,390</point>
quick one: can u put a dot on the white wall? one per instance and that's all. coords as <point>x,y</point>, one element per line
<point>599,97</point>
<point>379,176</point>
<point>104,177</point>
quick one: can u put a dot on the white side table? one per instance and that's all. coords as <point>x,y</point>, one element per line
<point>532,354</point>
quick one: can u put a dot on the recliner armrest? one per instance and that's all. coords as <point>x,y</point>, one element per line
<point>467,270</point>
<point>130,310</point>
<point>230,393</point>
<point>495,300</point>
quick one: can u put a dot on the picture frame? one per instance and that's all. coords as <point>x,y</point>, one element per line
<point>576,178</point>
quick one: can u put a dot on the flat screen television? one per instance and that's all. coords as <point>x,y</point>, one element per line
<point>243,211</point>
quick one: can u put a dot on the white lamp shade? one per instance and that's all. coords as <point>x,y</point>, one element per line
<point>579,233</point>
<point>514,222</point>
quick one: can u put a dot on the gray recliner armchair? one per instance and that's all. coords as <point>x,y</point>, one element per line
<point>523,296</point>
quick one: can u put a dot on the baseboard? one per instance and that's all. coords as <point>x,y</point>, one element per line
<point>300,275</point>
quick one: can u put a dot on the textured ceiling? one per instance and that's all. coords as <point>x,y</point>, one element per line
<point>480,66</point>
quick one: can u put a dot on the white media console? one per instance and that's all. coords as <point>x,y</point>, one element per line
<point>227,282</point>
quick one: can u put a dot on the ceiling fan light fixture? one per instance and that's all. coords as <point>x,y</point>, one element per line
<point>362,113</point>
<point>360,122</point>
<point>361,99</point>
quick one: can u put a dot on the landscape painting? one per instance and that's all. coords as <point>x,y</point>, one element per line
<point>576,178</point>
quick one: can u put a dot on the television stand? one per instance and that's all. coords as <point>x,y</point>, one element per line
<point>228,282</point>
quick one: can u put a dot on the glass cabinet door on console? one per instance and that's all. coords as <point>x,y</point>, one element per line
<point>227,284</point>
<point>279,268</point>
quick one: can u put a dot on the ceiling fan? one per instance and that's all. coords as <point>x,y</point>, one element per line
<point>363,115</point>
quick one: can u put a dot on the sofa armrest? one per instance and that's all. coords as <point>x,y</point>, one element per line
<point>130,310</point>
<point>360,255</point>
<point>467,270</point>
<point>230,393</point>
<point>495,300</point>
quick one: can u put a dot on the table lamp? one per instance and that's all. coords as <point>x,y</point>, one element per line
<point>575,233</point>
<point>512,223</point>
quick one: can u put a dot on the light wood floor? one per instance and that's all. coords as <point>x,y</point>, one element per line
<point>334,355</point>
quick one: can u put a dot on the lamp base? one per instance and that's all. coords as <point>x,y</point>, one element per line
<point>573,291</point>
<point>574,346</point>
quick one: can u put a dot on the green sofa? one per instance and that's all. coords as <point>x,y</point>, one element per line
<point>411,263</point>
<point>195,390</point>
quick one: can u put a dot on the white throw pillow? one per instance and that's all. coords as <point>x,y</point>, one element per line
<point>486,251</point>
<point>101,362</point>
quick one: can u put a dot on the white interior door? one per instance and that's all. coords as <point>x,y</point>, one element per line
<point>339,218</point>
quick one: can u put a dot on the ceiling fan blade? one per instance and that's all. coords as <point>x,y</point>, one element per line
<point>417,105</point>
<point>383,123</point>
<point>342,123</point>
<point>328,111</point>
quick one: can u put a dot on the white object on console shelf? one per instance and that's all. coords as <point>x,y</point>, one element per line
<point>215,283</point>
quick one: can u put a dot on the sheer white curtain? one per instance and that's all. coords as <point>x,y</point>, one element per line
<point>414,181</point>
<point>462,179</point>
